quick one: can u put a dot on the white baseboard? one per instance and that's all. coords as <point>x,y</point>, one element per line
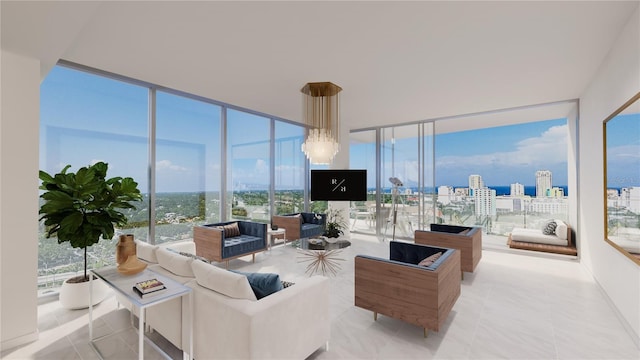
<point>20,340</point>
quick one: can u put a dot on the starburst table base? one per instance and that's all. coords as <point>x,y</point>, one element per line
<point>325,261</point>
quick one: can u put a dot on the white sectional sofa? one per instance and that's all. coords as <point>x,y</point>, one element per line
<point>229,323</point>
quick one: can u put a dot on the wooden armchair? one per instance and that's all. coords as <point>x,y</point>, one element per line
<point>300,225</point>
<point>467,239</point>
<point>397,287</point>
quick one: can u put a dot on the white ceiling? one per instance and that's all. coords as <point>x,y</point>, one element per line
<point>396,61</point>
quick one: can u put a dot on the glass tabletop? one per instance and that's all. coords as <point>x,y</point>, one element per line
<point>125,283</point>
<point>321,244</point>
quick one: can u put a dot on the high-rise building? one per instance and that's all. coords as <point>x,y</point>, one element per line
<point>445,194</point>
<point>556,192</point>
<point>543,183</point>
<point>517,189</point>
<point>475,182</point>
<point>485,201</point>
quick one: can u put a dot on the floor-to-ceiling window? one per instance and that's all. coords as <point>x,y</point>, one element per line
<point>187,166</point>
<point>401,154</point>
<point>289,162</point>
<point>248,162</point>
<point>463,171</point>
<point>503,177</point>
<point>362,155</point>
<point>175,152</point>
<point>84,119</point>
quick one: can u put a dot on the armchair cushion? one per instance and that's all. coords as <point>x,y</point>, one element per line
<point>230,230</point>
<point>428,261</point>
<point>222,281</point>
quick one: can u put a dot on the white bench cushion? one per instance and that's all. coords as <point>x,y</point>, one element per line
<point>536,236</point>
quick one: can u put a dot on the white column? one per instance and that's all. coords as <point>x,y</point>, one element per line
<point>19,124</point>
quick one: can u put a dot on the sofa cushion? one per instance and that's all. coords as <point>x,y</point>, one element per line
<point>174,262</point>
<point>561,230</point>
<point>428,261</point>
<point>243,244</point>
<point>222,281</point>
<point>262,284</point>
<point>536,236</point>
<point>230,230</point>
<point>549,228</point>
<point>146,251</point>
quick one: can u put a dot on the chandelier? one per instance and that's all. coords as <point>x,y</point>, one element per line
<point>321,114</point>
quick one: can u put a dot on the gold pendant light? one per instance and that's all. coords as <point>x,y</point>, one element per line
<point>322,115</point>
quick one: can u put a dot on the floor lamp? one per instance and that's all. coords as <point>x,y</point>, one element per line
<point>394,203</point>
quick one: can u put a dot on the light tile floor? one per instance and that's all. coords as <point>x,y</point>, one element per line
<point>512,307</point>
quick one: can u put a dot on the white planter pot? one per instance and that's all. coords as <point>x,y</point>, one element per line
<point>76,295</point>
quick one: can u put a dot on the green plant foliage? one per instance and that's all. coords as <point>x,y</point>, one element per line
<point>335,223</point>
<point>82,207</point>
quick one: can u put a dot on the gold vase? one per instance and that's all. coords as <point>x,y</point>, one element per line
<point>125,248</point>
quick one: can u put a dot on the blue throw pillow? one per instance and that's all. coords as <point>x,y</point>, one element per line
<point>262,284</point>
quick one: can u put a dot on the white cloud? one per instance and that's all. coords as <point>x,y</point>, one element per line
<point>164,165</point>
<point>547,149</point>
<point>624,153</point>
<point>261,166</point>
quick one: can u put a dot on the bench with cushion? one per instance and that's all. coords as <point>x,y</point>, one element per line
<point>229,240</point>
<point>552,238</point>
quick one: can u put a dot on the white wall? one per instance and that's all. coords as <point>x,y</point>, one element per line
<point>616,81</point>
<point>20,112</point>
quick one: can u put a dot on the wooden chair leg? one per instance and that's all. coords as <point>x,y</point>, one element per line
<point>426,332</point>
<point>461,275</point>
<point>226,264</point>
<point>253,258</point>
<point>375,316</point>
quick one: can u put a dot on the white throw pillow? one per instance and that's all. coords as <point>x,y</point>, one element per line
<point>146,251</point>
<point>561,229</point>
<point>174,262</point>
<point>222,281</point>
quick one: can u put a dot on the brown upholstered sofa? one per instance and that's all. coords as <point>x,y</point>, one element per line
<point>399,288</point>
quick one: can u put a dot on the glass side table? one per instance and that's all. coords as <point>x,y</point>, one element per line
<point>124,285</point>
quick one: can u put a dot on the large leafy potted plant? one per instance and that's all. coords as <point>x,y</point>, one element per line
<point>335,224</point>
<point>82,208</point>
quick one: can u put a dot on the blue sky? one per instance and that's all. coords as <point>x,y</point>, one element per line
<point>623,151</point>
<point>86,118</point>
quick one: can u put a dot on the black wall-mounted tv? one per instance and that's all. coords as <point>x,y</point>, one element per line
<point>339,185</point>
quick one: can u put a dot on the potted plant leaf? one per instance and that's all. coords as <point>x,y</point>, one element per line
<point>82,208</point>
<point>335,224</point>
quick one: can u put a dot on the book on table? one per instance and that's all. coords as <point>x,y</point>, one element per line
<point>148,287</point>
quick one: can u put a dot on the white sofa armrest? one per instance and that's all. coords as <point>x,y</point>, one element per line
<point>292,323</point>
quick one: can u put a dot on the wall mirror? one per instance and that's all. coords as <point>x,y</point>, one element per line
<point>622,178</point>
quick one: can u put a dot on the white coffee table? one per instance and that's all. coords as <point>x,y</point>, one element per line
<point>277,232</point>
<point>124,285</point>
